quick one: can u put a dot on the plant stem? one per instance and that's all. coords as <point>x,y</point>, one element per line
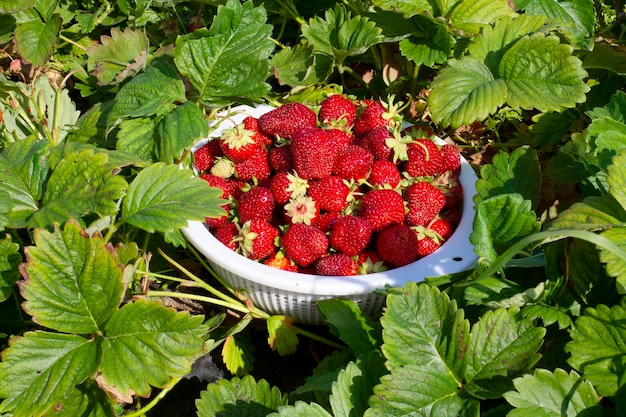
<point>68,40</point>
<point>143,410</point>
<point>322,339</point>
<point>237,307</point>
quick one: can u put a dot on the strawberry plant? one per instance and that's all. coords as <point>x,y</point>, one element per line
<point>105,307</point>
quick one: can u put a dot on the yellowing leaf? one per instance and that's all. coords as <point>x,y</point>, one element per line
<point>282,337</point>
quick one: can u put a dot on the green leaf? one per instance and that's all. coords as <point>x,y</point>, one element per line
<point>499,220</point>
<point>229,60</point>
<point>614,109</point>
<point>549,315</point>
<point>347,322</point>
<point>598,347</point>
<point>410,7</point>
<point>238,354</point>
<point>40,369</point>
<point>153,92</point>
<point>429,42</point>
<point>87,400</point>
<point>465,91</point>
<point>119,56</point>
<point>10,258</point>
<point>617,179</point>
<point>553,394</point>
<point>427,389</point>
<point>179,130</point>
<point>147,344</point>
<point>541,73</point>
<point>517,172</point>
<point>615,265</point>
<point>136,137</point>
<point>12,6</point>
<point>354,385</point>
<point>301,66</point>
<point>609,135</point>
<point>591,214</point>
<point>502,346</point>
<point>282,336</point>
<point>341,35</point>
<point>494,292</point>
<point>551,128</point>
<point>578,16</point>
<point>72,282</point>
<point>301,409</point>
<point>80,184</point>
<point>470,16</point>
<point>245,395</point>
<point>606,57</point>
<point>421,325</point>
<point>164,198</point>
<point>36,40</point>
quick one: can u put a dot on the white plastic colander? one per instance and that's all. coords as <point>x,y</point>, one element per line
<point>292,294</point>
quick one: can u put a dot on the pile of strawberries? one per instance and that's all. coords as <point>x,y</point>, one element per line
<point>343,188</point>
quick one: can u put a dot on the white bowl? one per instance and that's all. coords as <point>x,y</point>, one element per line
<point>293,294</point>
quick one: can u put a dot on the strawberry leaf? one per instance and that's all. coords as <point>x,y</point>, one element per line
<point>301,409</point>
<point>11,6</point>
<point>36,40</point>
<point>617,179</point>
<point>433,48</point>
<point>97,191</point>
<point>552,394</point>
<point>471,15</point>
<point>179,130</point>
<point>119,56</point>
<point>249,397</point>
<point>10,258</point>
<point>598,347</point>
<point>40,369</point>
<point>137,137</point>
<point>229,60</point>
<point>606,57</point>
<point>499,220</point>
<point>86,400</point>
<point>347,322</point>
<point>411,8</point>
<point>147,344</point>
<point>72,282</point>
<point>301,66</point>
<point>164,198</point>
<point>238,354</point>
<point>578,17</point>
<point>590,214</point>
<point>282,337</point>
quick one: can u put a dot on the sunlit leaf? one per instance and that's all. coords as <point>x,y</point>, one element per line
<point>578,16</point>
<point>36,40</point>
<point>301,409</point>
<point>148,344</point>
<point>553,394</point>
<point>179,130</point>
<point>86,400</point>
<point>72,282</point>
<point>9,261</point>
<point>238,354</point>
<point>301,66</point>
<point>617,179</point>
<point>164,197</point>
<point>282,337</point>
<point>11,6</point>
<point>136,137</point>
<point>409,7</point>
<point>249,397</point>
<point>41,368</point>
<point>429,42</point>
<point>471,15</point>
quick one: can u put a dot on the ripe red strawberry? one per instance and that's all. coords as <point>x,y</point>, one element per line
<point>397,245</point>
<point>221,183</point>
<point>340,138</point>
<point>353,163</point>
<point>279,260</point>
<point>427,245</point>
<point>302,209</point>
<point>227,234</point>
<point>325,221</point>
<point>330,193</point>
<point>304,244</point>
<point>350,234</point>
<point>252,124</point>
<point>206,155</point>
<point>452,189</point>
<point>257,166</point>
<point>424,202</point>
<point>337,108</point>
<point>453,216</point>
<point>424,159</point>
<point>384,173</point>
<point>256,203</point>
<point>451,158</point>
<point>238,143</point>
<point>432,237</point>
<point>336,264</point>
<point>370,118</point>
<point>257,239</point>
<point>376,142</point>
<point>369,262</point>
<point>286,186</point>
<point>281,158</point>
<point>286,120</point>
<point>442,227</point>
<point>382,208</point>
<point>313,153</point>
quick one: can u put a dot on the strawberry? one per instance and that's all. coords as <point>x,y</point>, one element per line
<point>427,245</point>
<point>257,166</point>
<point>313,153</point>
<point>279,260</point>
<point>451,159</point>
<point>281,158</point>
<point>353,163</point>
<point>337,108</point>
<point>252,124</point>
<point>302,209</point>
<point>384,173</point>
<point>442,227</point>
<point>217,182</point>
<point>370,118</point>
<point>452,189</point>
<point>424,159</point>
<point>424,202</point>
<point>206,155</point>
<point>382,208</point>
<point>227,234</point>
<point>350,235</point>
<point>397,245</point>
<point>256,203</point>
<point>325,221</point>
<point>432,237</point>
<point>238,143</point>
<point>286,120</point>
<point>223,167</point>
<point>330,193</point>
<point>340,138</point>
<point>336,264</point>
<point>304,244</point>
<point>286,186</point>
<point>257,239</point>
<point>369,262</point>
<point>452,215</point>
<point>376,142</point>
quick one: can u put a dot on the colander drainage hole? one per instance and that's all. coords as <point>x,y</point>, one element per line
<point>457,259</point>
